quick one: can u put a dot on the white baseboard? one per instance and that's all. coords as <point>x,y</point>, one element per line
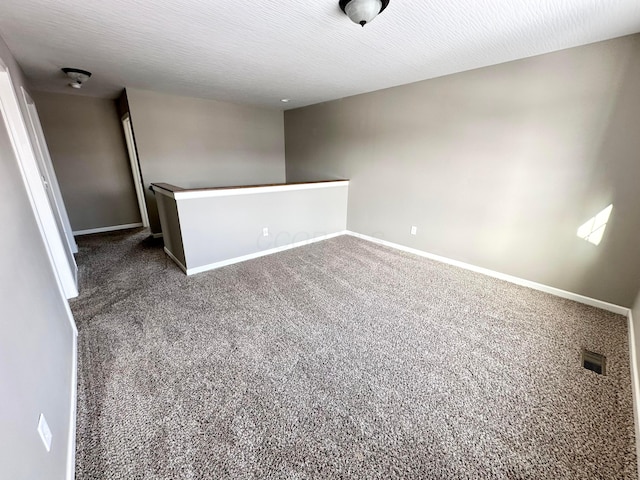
<point>633,359</point>
<point>113,228</point>
<point>156,235</point>
<point>251,256</point>
<point>178,262</point>
<point>71,453</point>
<point>633,354</point>
<point>502,276</point>
<point>635,383</point>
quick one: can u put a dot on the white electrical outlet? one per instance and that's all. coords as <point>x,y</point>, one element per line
<point>414,230</point>
<point>45,432</point>
<point>265,232</point>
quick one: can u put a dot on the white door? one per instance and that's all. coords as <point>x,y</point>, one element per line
<point>48,172</point>
<point>57,246</point>
<point>135,169</point>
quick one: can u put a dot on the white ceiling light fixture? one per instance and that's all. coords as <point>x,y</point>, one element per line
<point>363,11</point>
<point>77,76</point>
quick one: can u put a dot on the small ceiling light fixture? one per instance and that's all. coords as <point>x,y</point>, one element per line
<point>363,11</point>
<point>77,76</point>
<point>285,100</point>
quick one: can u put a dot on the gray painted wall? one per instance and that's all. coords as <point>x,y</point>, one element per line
<point>89,154</point>
<point>171,231</point>
<point>36,340</point>
<point>204,143</point>
<point>496,167</point>
<point>635,312</point>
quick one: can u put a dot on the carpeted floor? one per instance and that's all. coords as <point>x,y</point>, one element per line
<point>339,360</point>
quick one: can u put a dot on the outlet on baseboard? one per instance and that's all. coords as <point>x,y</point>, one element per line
<point>265,232</point>
<point>45,432</point>
<point>414,230</point>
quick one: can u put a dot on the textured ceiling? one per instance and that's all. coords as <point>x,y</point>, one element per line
<point>259,51</point>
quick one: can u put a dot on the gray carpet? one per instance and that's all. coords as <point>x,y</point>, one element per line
<point>339,360</point>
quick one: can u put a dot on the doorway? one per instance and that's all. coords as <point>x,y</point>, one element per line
<point>51,227</point>
<point>48,173</point>
<point>135,168</point>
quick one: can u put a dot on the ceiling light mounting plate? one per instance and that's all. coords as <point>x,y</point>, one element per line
<point>77,75</point>
<point>362,11</point>
<point>343,4</point>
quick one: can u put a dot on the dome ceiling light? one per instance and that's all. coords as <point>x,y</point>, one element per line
<point>363,11</point>
<point>77,76</point>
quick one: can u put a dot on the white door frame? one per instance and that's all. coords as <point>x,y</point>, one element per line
<point>42,154</point>
<point>24,151</point>
<point>135,168</point>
